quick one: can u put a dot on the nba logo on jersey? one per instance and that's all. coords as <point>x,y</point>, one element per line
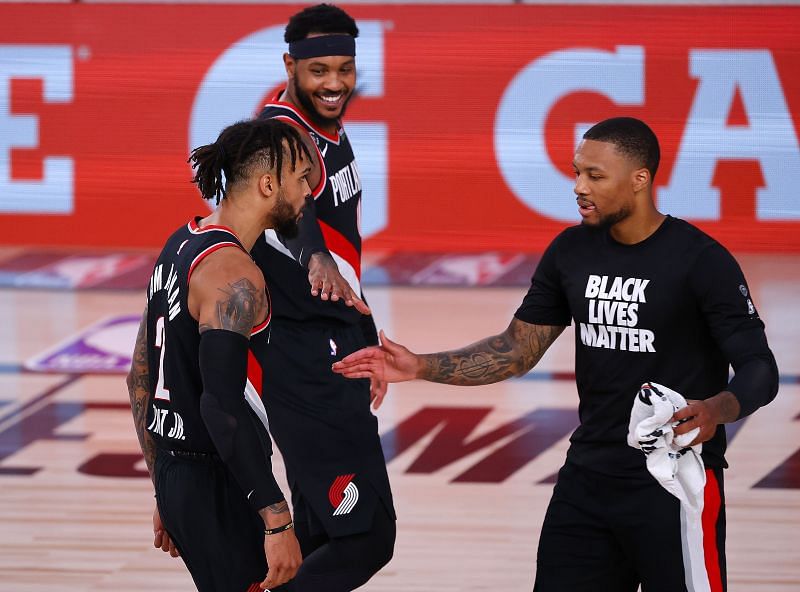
<point>334,347</point>
<point>343,495</point>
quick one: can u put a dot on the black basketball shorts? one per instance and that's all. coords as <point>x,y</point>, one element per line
<point>219,535</point>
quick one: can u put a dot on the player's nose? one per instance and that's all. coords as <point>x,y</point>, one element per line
<point>334,82</point>
<point>581,187</point>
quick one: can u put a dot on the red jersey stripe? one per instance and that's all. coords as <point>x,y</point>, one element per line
<point>337,243</point>
<point>254,372</point>
<point>711,509</point>
<point>296,110</point>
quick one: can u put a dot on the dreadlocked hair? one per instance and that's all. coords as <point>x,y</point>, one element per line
<point>242,149</point>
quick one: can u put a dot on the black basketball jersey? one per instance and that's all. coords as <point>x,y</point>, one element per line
<point>173,339</point>
<point>337,201</point>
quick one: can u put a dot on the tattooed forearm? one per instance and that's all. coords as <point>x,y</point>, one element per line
<point>278,508</point>
<point>239,309</point>
<point>138,391</point>
<point>728,406</point>
<point>512,353</point>
<point>275,514</point>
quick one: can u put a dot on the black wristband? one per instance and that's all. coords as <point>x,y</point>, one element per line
<point>277,529</point>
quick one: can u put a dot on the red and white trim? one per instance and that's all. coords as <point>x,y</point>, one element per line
<point>195,229</point>
<point>342,250</point>
<point>252,389</point>
<point>265,323</point>
<point>302,117</point>
<point>711,508</point>
<point>699,539</point>
<point>345,254</point>
<point>206,252</point>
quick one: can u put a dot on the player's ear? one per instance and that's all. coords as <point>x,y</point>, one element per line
<point>641,179</point>
<point>290,64</point>
<point>267,184</point>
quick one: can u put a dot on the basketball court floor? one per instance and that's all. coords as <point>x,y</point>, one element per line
<point>471,468</point>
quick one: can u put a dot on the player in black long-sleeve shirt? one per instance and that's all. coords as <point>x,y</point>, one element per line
<point>652,299</point>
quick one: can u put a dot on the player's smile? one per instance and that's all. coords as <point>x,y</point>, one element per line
<point>329,103</point>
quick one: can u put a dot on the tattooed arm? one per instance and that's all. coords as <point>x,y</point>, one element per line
<point>227,297</point>
<point>138,390</point>
<point>511,353</point>
<point>227,292</point>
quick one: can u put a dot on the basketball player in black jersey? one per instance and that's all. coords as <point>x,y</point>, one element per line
<point>653,299</point>
<point>218,504</point>
<point>322,423</point>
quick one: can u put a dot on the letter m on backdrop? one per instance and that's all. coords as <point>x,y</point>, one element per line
<point>512,445</point>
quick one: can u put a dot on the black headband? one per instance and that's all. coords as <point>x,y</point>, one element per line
<point>324,45</point>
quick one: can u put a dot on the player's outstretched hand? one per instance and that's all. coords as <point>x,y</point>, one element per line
<point>327,283</point>
<point>377,391</point>
<point>161,539</point>
<point>283,558</point>
<point>390,362</point>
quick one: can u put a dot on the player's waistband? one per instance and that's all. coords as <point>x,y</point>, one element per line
<point>315,324</point>
<point>191,454</point>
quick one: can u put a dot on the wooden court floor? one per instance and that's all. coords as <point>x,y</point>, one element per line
<point>470,467</point>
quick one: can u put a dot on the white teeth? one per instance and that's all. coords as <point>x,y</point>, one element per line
<point>331,99</point>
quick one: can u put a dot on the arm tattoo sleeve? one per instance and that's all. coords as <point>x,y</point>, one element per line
<point>278,508</point>
<point>139,391</point>
<point>511,353</point>
<point>238,308</point>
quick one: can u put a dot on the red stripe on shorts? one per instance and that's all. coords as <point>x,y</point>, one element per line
<point>711,508</point>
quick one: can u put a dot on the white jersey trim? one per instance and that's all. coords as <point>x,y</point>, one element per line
<point>255,402</point>
<point>348,273</point>
<point>347,270</point>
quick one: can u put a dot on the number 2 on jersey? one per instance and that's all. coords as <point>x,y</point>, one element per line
<point>161,342</point>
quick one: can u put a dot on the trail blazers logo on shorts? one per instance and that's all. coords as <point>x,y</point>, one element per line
<point>343,495</point>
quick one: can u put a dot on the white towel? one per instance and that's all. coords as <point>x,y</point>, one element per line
<point>675,465</point>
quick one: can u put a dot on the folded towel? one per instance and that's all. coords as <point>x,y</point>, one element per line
<point>675,465</point>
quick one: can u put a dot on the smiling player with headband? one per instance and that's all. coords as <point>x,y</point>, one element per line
<point>322,423</point>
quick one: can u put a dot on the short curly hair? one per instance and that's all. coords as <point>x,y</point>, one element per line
<point>631,137</point>
<point>322,18</point>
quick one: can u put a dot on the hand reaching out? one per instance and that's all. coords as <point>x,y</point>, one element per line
<point>389,362</point>
<point>377,392</point>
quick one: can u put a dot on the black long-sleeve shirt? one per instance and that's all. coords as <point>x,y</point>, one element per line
<point>674,309</point>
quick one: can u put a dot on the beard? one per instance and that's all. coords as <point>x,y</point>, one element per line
<point>307,104</point>
<point>284,218</point>
<point>608,220</point>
